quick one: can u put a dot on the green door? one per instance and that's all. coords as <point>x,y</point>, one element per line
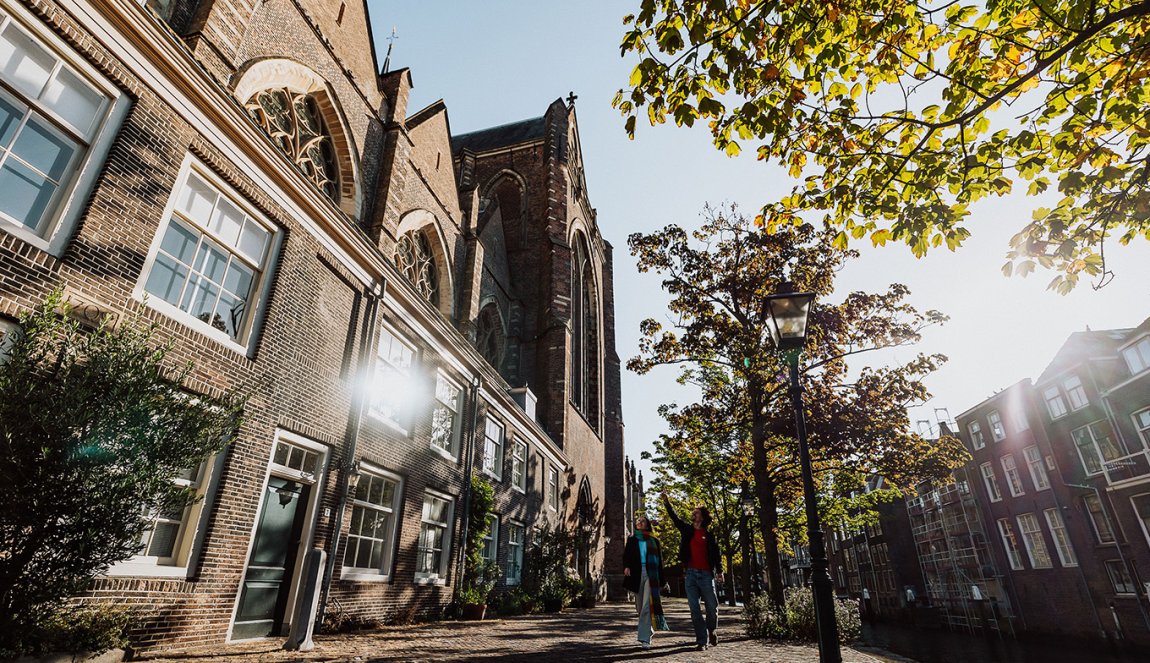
<point>264,593</point>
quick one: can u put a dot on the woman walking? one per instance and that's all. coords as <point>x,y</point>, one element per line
<point>643,575</point>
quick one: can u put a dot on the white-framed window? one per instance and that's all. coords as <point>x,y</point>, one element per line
<point>997,430</point>
<point>445,417</point>
<point>1054,403</point>
<point>976,439</point>
<point>370,540</point>
<point>1103,533</point>
<point>1035,545</point>
<point>1061,539</point>
<point>552,488</point>
<point>991,482</point>
<point>515,540</point>
<point>1013,479</point>
<point>432,553</point>
<point>519,465</point>
<point>394,389</point>
<point>210,262</point>
<point>490,550</point>
<point>1142,425</point>
<point>1037,469</point>
<point>1018,417</point>
<point>1137,356</point>
<point>1095,446</point>
<point>493,439</point>
<point>1142,511</point>
<point>1010,544</point>
<point>58,117</point>
<point>1075,393</point>
<point>1120,578</point>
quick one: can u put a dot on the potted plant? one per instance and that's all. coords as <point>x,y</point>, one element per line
<point>473,596</point>
<point>553,593</point>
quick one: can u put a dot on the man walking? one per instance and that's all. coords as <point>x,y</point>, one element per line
<point>702,567</point>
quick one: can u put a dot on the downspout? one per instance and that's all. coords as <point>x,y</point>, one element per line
<point>468,468</point>
<point>354,423</point>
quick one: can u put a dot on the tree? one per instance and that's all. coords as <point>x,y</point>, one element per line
<point>718,279</point>
<point>899,115</point>
<point>95,428</point>
<point>479,576</point>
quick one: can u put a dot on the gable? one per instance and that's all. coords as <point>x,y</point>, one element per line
<point>431,155</point>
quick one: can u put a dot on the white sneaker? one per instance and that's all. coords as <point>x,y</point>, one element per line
<point>644,645</point>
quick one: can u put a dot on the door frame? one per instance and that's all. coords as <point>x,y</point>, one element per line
<point>311,516</point>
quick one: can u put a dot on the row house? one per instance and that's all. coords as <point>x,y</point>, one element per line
<point>406,307</point>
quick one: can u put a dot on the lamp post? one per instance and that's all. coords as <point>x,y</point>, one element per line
<point>747,502</point>
<point>787,320</point>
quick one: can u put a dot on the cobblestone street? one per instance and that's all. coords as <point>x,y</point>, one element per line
<point>605,633</point>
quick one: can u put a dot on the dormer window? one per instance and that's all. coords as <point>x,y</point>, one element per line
<point>294,122</point>
<point>1137,356</point>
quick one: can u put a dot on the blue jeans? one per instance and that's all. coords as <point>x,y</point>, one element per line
<point>701,584</point>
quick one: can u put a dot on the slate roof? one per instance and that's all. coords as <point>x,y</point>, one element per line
<point>504,135</point>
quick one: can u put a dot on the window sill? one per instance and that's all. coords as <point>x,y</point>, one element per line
<point>388,423</point>
<point>147,570</point>
<point>360,575</point>
<point>517,489</point>
<point>192,322</point>
<point>430,580</point>
<point>491,474</point>
<point>446,455</point>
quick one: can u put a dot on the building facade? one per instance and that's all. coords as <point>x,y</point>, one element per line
<point>406,308</point>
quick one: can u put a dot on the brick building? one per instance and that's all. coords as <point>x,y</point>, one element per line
<point>406,308</point>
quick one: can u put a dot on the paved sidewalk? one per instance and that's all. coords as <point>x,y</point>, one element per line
<point>604,633</point>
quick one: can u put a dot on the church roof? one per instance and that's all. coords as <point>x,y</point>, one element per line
<point>523,131</point>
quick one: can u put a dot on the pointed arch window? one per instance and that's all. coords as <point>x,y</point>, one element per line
<point>585,333</point>
<point>490,337</point>
<point>295,123</point>
<point>416,261</point>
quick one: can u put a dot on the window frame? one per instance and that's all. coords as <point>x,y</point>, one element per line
<point>997,429</point>
<point>1037,467</point>
<point>437,405</point>
<point>1143,518</point>
<point>1117,564</point>
<point>515,552</point>
<point>1019,420</point>
<point>520,452</point>
<point>990,482</point>
<point>1034,542</point>
<point>1062,544</point>
<point>1013,478</point>
<point>493,452</point>
<point>1139,349</point>
<point>1076,393</point>
<point>552,488</point>
<point>1101,459</point>
<point>72,196</point>
<point>1010,544</point>
<point>391,542</point>
<point>1053,395</point>
<point>491,540</point>
<point>404,382</point>
<point>974,429</point>
<point>438,577</point>
<point>1142,430</point>
<point>1094,498</point>
<point>260,288</point>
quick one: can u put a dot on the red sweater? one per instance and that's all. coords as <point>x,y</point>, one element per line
<point>699,551</point>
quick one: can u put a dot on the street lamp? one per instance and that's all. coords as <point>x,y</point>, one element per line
<point>787,314</point>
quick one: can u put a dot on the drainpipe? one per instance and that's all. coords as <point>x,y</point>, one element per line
<point>372,297</point>
<point>468,468</point>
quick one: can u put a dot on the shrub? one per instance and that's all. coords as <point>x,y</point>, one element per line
<point>73,630</point>
<point>795,620</point>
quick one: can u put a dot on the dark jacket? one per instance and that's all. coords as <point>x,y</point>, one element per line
<point>687,532</point>
<point>631,561</point>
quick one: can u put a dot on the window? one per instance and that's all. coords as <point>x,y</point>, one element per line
<point>432,557</point>
<point>1010,544</point>
<point>1054,403</point>
<point>1120,578</point>
<point>1095,448</point>
<point>209,261</point>
<point>1137,356</point>
<point>1142,510</point>
<point>493,449</point>
<point>519,465</point>
<point>57,119</point>
<point>1019,417</point>
<point>1061,538</point>
<point>515,532</point>
<point>991,482</point>
<point>490,336</point>
<point>1013,480</point>
<point>975,430</point>
<point>584,331</point>
<point>1075,393</point>
<point>1037,471</point>
<point>294,122</point>
<point>1142,424</point>
<point>997,430</point>
<point>553,488</point>
<point>1102,530</point>
<point>1035,545</point>
<point>371,537</point>
<point>416,261</point>
<point>394,388</point>
<point>490,550</point>
<point>445,418</point>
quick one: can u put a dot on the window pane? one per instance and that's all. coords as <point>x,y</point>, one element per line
<point>163,539</point>
<point>167,279</point>
<point>180,242</point>
<point>26,194</point>
<point>239,279</point>
<point>23,62</point>
<point>226,222</point>
<point>253,241</point>
<point>74,100</point>
<point>10,116</point>
<point>44,149</point>
<point>197,200</point>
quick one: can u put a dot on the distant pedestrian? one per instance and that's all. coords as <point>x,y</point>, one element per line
<point>702,567</point>
<point>643,575</point>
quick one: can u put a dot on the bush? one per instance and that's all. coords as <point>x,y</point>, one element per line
<point>73,630</point>
<point>796,619</point>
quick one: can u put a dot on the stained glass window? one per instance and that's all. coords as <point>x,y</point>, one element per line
<point>294,122</point>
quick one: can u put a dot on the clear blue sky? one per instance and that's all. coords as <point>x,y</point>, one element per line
<point>500,61</point>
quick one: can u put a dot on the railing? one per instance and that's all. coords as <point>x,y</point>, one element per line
<point>1128,468</point>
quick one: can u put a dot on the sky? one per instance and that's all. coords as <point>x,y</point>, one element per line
<point>501,61</point>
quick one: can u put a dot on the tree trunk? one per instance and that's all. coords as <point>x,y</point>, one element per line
<point>765,491</point>
<point>729,580</point>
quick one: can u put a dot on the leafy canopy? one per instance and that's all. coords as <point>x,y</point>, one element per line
<point>898,115</point>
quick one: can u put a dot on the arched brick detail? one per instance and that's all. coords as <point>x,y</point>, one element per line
<point>501,187</point>
<point>424,221</point>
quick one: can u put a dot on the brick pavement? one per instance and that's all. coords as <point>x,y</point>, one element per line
<point>605,633</point>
